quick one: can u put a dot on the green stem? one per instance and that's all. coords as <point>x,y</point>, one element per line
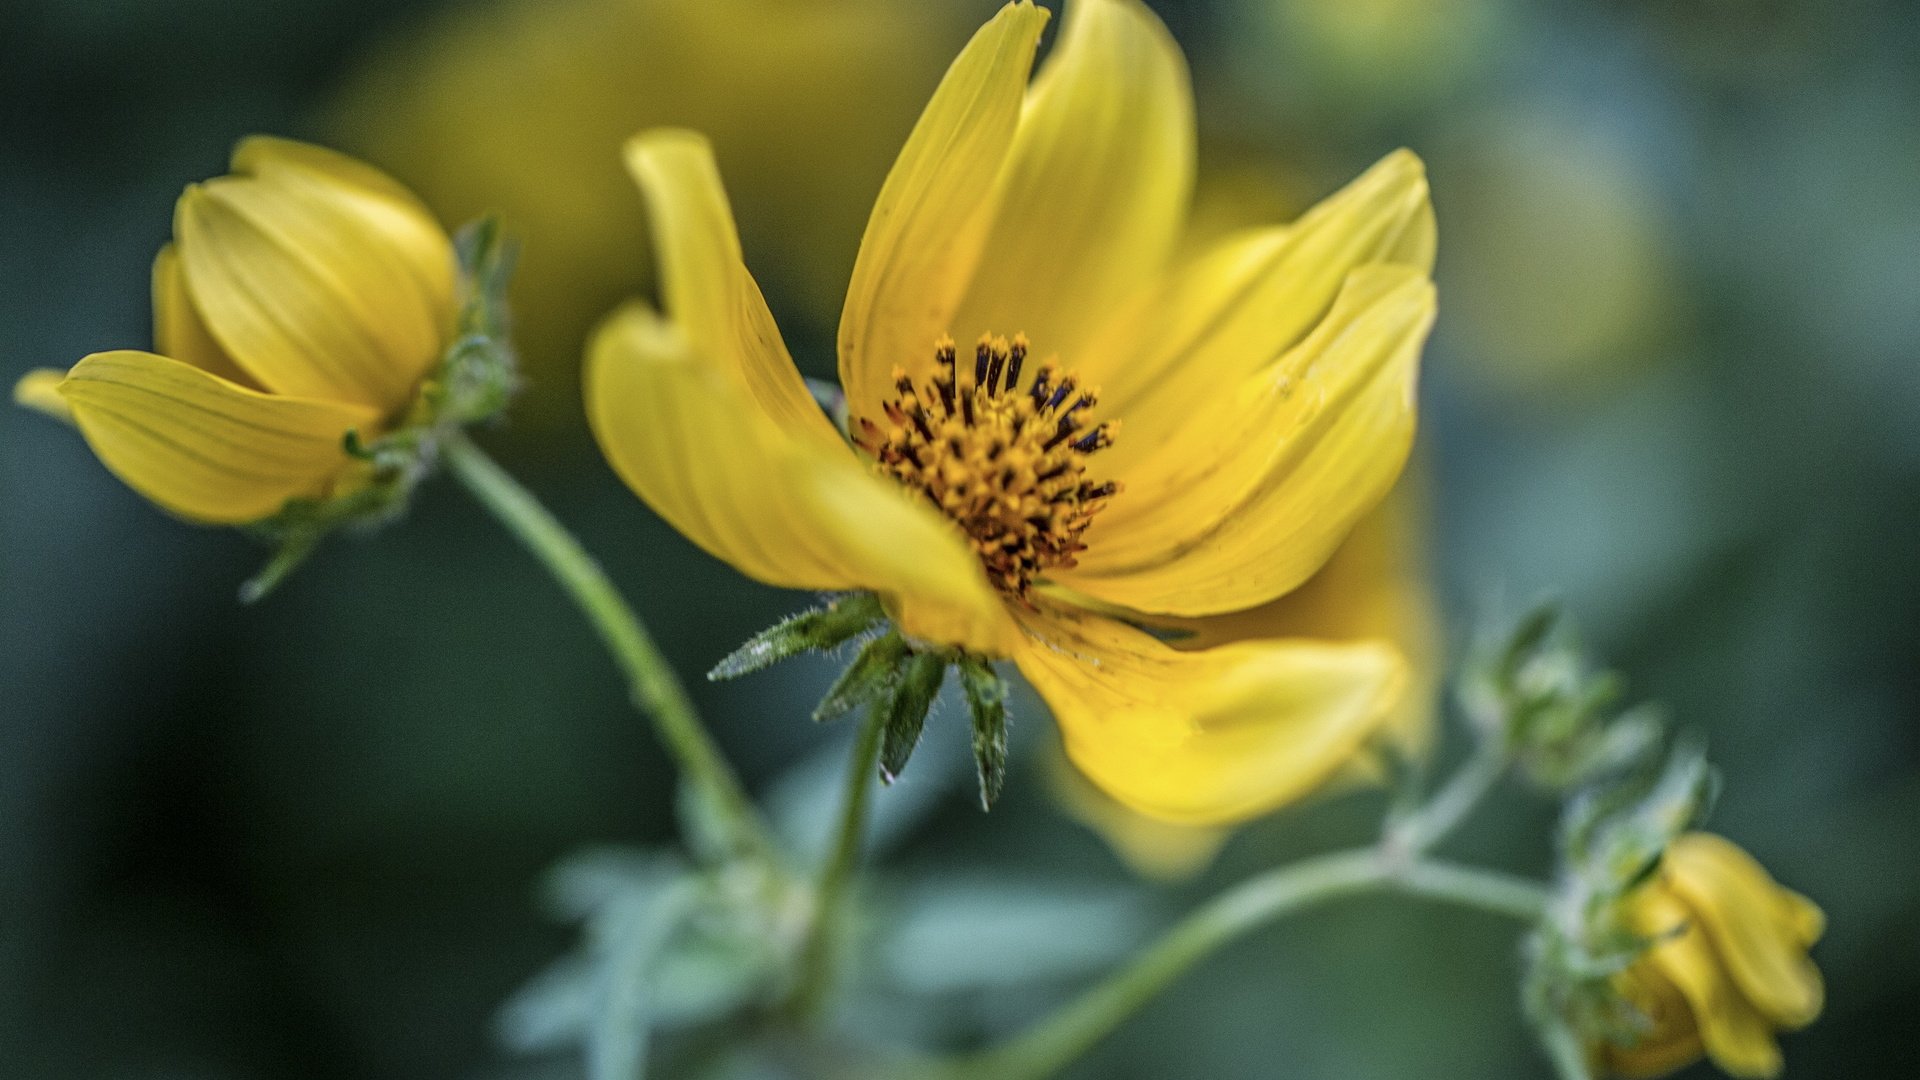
<point>1450,806</point>
<point>819,955</point>
<point>655,688</point>
<point>1054,1043</point>
<point>1564,1049</point>
<point>1472,887</point>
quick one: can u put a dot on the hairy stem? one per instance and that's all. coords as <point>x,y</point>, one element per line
<point>654,687</point>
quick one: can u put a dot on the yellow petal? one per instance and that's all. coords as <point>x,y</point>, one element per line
<point>931,218</point>
<point>1097,185</point>
<point>409,232</point>
<point>781,509</point>
<point>1210,737</point>
<point>1754,925</point>
<point>316,287</point>
<point>707,290</point>
<point>202,447</point>
<point>1150,847</point>
<point>39,390</point>
<point>258,155</point>
<point>1673,1038</point>
<point>1226,316</point>
<point>178,331</point>
<point>1375,587</point>
<point>1245,513</point>
<point>1736,1035</point>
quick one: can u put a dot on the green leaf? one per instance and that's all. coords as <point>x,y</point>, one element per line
<point>870,677</point>
<point>907,712</point>
<point>1529,634</point>
<point>635,933</point>
<point>817,630</point>
<point>587,881</point>
<point>986,694</point>
<point>999,932</point>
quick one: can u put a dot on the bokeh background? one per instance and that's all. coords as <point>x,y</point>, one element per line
<point>1676,381</point>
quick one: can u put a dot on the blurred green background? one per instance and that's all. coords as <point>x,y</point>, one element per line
<point>1676,379</point>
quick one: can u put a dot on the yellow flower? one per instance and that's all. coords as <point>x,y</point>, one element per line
<point>304,296</point>
<point>1728,966</point>
<point>1266,387</point>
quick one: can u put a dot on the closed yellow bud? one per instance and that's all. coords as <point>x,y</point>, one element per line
<point>1728,967</point>
<point>305,295</point>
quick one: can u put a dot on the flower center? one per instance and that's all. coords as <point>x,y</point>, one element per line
<point>1006,465</point>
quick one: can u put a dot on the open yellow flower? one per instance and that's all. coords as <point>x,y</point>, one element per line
<point>304,296</point>
<point>1728,966</point>
<point>994,503</point>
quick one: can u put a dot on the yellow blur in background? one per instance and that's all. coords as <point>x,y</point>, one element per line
<point>520,109</point>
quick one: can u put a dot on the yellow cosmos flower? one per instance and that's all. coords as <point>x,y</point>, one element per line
<point>304,296</point>
<point>1728,966</point>
<point>994,502</point>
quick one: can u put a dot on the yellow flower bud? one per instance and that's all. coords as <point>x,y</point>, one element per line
<point>305,295</point>
<point>1727,968</point>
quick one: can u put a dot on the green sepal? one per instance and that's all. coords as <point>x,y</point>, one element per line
<point>817,630</point>
<point>301,524</point>
<point>907,710</point>
<point>289,556</point>
<point>986,694</point>
<point>871,677</point>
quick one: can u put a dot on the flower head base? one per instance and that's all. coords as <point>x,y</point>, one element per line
<point>1008,465</point>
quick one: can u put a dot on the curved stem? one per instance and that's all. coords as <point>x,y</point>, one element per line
<point>1068,1033</point>
<point>1450,806</point>
<point>1470,886</point>
<point>655,689</point>
<point>819,956</point>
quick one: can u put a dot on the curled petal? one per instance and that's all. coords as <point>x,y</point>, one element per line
<point>315,285</point>
<point>1228,315</point>
<point>1375,587</point>
<point>705,284</point>
<point>202,447</point>
<point>1255,507</point>
<point>784,510</point>
<point>1097,185</point>
<point>931,219</point>
<point>1208,737</point>
<point>1756,927</point>
<point>1737,1036</point>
